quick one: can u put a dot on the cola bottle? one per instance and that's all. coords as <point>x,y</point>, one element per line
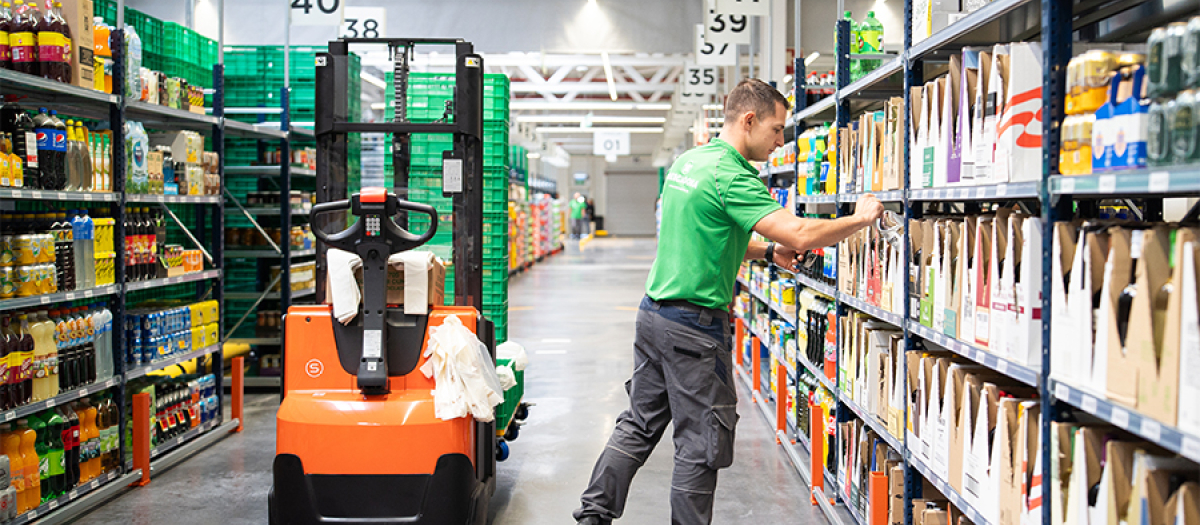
<point>14,120</point>
<point>51,45</point>
<point>5,29</point>
<point>60,150</point>
<point>23,39</point>
<point>43,127</point>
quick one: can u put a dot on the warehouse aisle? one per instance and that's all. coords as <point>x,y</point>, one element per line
<point>575,316</point>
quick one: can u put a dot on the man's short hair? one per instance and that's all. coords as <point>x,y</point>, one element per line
<point>754,95</point>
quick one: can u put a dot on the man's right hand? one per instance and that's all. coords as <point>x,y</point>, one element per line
<point>868,209</point>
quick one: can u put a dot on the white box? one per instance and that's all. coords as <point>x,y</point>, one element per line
<point>1019,138</point>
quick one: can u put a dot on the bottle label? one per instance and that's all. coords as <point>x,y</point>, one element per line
<point>60,141</point>
<point>5,51</point>
<point>51,46</point>
<point>18,479</point>
<point>31,154</point>
<point>58,465</point>
<point>44,465</point>
<point>22,46</point>
<point>45,138</point>
<point>26,366</point>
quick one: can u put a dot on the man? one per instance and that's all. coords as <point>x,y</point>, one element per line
<point>578,207</point>
<point>683,372</point>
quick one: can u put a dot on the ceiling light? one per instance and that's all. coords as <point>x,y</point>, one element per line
<point>787,78</point>
<point>714,107</point>
<point>581,68</point>
<point>553,130</point>
<point>811,58</point>
<point>533,155</point>
<point>588,105</point>
<point>612,87</point>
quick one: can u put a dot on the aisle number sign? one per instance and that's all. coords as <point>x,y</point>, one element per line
<point>710,54</point>
<point>724,28</point>
<point>697,84</point>
<point>364,22</point>
<point>317,12</point>
<point>610,143</point>
<point>745,7</point>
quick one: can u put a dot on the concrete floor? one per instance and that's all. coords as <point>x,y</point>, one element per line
<point>575,316</point>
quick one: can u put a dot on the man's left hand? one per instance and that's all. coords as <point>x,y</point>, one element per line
<point>786,258</point>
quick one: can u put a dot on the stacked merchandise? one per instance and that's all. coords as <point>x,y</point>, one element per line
<point>519,230</point>
<point>869,151</point>
<point>547,221</point>
<point>156,332</point>
<point>866,38</point>
<point>971,126</point>
<point>172,163</point>
<point>40,151</point>
<point>870,269</point>
<point>44,252</point>
<point>166,47</point>
<point>929,17</point>
<point>148,253</point>
<point>50,351</point>
<point>817,87</point>
<point>816,156</point>
<point>178,405</point>
<point>49,453</point>
<point>429,97</point>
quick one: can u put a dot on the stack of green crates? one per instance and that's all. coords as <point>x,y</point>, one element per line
<point>426,100</point>
<point>254,78</point>
<point>168,47</point>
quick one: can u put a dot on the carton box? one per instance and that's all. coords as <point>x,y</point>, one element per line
<point>1183,508</point>
<point>962,159</point>
<point>1153,477</point>
<point>896,495</point>
<point>947,169</point>
<point>1116,483</point>
<point>1187,279</point>
<point>964,295</point>
<point>78,14</point>
<point>997,305</point>
<point>946,277</point>
<point>977,481</point>
<point>968,391</point>
<point>918,135</point>
<point>936,416</point>
<point>1008,461</point>
<point>1004,315</point>
<point>1019,137</point>
<point>1062,332</point>
<point>893,145</point>
<point>1128,252</point>
<point>929,269</point>
<point>895,416</point>
<point>1028,476</point>
<point>1158,354</point>
<point>981,286</point>
<point>1121,128</point>
<point>1027,338</point>
<point>915,401</point>
<point>984,147</point>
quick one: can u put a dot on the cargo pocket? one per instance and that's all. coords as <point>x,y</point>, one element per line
<point>722,423</point>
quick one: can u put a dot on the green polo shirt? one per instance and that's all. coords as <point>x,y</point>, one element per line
<point>711,200</point>
<point>577,207</point>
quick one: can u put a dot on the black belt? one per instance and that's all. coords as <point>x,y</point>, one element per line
<point>687,305</point>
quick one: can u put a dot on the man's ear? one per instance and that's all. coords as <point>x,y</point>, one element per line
<point>748,119</point>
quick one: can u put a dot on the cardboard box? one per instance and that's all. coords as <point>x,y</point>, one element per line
<point>1007,463</point>
<point>1183,508</point>
<point>1027,339</point>
<point>962,160</point>
<point>1158,351</point>
<point>1122,382</point>
<point>984,147</point>
<point>416,279</point>
<point>1004,315</point>
<point>918,135</point>
<point>964,295</point>
<point>929,270</point>
<point>981,287</point>
<point>1187,279</point>
<point>915,401</point>
<point>996,294</point>
<point>1152,479</point>
<point>1019,137</point>
<point>78,14</point>
<point>968,389</point>
<point>1062,333</point>
<point>895,416</point>
<point>936,423</point>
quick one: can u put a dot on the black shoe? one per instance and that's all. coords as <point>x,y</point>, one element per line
<point>592,520</point>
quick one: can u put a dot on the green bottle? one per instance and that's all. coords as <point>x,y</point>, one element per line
<point>55,424</point>
<point>855,46</point>
<point>871,34</point>
<point>38,426</point>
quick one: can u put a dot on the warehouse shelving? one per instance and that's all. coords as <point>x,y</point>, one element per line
<point>168,281</point>
<point>1052,197</point>
<point>171,361</point>
<point>65,397</point>
<point>59,297</point>
<point>52,195</point>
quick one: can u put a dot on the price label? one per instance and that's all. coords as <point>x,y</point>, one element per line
<point>1089,404</point>
<point>1066,185</point>
<point>35,194</point>
<point>364,22</point>
<point>88,196</point>
<point>52,505</point>
<point>317,12</point>
<point>1108,184</point>
<point>1160,182</point>
<point>1001,190</point>
<point>1120,418</point>
<point>83,392</point>
<point>1062,391</point>
<point>17,193</point>
<point>1002,366</point>
<point>87,293</point>
<point>980,192</point>
<point>70,296</point>
<point>44,300</point>
<point>73,494</point>
<point>1151,429</point>
<point>1191,448</point>
<point>744,7</point>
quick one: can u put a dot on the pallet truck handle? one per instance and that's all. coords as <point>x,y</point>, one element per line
<point>400,238</point>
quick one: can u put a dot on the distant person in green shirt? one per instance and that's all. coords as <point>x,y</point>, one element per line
<point>578,216</point>
<point>712,199</point>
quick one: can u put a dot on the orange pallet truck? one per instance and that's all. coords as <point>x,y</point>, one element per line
<point>358,441</point>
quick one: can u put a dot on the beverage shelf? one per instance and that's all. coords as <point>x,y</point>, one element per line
<point>781,359</point>
<point>265,131</point>
<point>818,373</point>
<point>884,196</point>
<point>52,195</point>
<point>168,281</point>
<point>777,170</point>
<point>881,73</point>
<point>41,90</point>
<point>1008,191</point>
<point>175,199</point>
<point>266,254</point>
<point>170,361</point>
<point>878,426</point>
<point>66,499</point>
<point>302,172</point>
<point>254,341</point>
<point>157,116</point>
<point>1022,373</point>
<point>947,490</point>
<point>1167,180</point>
<point>175,442</point>
<point>302,133</point>
<point>261,171</point>
<point>872,310</point>
<point>819,287</point>
<point>65,397</point>
<point>39,300</point>
<point>274,210</point>
<point>1163,435</point>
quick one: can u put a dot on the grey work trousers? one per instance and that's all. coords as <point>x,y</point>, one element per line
<point>683,373</point>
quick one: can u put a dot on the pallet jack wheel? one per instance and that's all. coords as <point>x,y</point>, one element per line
<point>501,450</point>
<point>522,412</point>
<point>514,430</point>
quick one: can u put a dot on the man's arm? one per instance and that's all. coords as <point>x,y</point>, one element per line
<point>757,250</point>
<point>805,234</point>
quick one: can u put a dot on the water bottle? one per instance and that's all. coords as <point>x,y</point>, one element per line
<point>85,263</point>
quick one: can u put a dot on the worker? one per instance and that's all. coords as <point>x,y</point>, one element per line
<point>578,209</point>
<point>712,199</point>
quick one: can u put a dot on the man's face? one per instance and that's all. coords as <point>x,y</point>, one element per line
<point>765,133</point>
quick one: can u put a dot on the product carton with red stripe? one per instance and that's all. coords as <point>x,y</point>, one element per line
<point>1019,133</point>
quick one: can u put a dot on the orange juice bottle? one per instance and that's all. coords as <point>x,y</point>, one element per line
<point>33,479</point>
<point>10,443</point>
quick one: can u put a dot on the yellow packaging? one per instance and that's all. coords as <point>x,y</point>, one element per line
<point>1088,77</point>
<point>212,332</point>
<point>106,268</point>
